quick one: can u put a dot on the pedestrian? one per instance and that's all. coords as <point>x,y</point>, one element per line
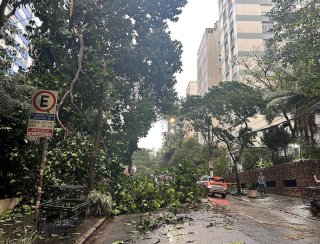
<point>262,183</point>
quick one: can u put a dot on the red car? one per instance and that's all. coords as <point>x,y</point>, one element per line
<point>214,185</point>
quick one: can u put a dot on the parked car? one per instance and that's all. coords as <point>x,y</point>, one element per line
<point>214,185</point>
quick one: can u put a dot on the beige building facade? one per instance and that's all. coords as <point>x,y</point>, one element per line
<point>192,88</point>
<point>244,31</point>
<point>208,60</point>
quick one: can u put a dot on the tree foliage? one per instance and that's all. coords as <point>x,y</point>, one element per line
<point>223,115</point>
<point>287,72</point>
<point>145,161</point>
<point>233,104</point>
<point>200,118</point>
<point>296,40</point>
<point>101,114</point>
<point>190,150</point>
<point>277,140</point>
<point>144,193</point>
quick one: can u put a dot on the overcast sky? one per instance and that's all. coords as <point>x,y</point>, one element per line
<point>196,16</point>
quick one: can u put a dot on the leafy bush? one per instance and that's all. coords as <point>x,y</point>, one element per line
<point>146,193</point>
<point>139,193</point>
<point>185,177</point>
<point>100,204</point>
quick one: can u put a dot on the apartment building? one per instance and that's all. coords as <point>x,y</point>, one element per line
<point>244,31</point>
<point>208,60</point>
<point>192,88</point>
<point>20,20</point>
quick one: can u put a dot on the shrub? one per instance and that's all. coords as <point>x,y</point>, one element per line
<point>100,204</point>
<point>137,193</point>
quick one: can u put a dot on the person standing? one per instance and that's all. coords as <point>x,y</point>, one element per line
<point>262,183</point>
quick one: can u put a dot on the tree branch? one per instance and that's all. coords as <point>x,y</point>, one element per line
<point>76,78</point>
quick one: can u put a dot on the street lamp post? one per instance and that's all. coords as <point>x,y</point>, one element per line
<point>171,121</point>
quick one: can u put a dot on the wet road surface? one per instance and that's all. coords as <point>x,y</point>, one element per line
<point>231,220</point>
<point>267,225</point>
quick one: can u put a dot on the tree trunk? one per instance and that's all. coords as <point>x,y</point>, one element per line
<point>97,139</point>
<point>235,167</point>
<point>237,178</point>
<point>132,147</point>
<point>305,129</point>
<point>292,129</point>
<point>312,130</point>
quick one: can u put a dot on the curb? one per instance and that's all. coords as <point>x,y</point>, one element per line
<point>89,233</point>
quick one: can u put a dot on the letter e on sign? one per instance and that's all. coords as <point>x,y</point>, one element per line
<point>44,101</point>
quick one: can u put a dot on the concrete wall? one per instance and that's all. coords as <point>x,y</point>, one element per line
<point>299,171</point>
<point>8,203</point>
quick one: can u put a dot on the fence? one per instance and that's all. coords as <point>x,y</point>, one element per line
<point>287,179</point>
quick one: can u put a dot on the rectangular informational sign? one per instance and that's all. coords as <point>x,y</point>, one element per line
<point>42,113</point>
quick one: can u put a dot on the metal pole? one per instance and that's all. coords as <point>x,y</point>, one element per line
<point>40,180</point>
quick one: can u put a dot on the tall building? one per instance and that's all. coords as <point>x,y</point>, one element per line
<point>208,60</point>
<point>20,20</point>
<point>192,88</point>
<point>244,30</point>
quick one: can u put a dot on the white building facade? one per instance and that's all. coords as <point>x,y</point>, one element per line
<point>20,20</point>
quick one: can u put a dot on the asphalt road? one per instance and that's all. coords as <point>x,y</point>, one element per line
<point>266,224</point>
<point>221,221</point>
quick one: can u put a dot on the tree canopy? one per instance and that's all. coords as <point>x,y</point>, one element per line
<point>114,65</point>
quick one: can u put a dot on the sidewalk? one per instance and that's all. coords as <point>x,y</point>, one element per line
<point>286,204</point>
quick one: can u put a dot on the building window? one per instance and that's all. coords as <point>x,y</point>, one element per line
<point>271,183</point>
<point>266,26</point>
<point>290,183</point>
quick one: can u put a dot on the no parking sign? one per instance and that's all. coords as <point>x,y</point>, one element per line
<point>42,113</point>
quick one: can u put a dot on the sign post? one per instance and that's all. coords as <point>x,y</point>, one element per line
<point>41,125</point>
